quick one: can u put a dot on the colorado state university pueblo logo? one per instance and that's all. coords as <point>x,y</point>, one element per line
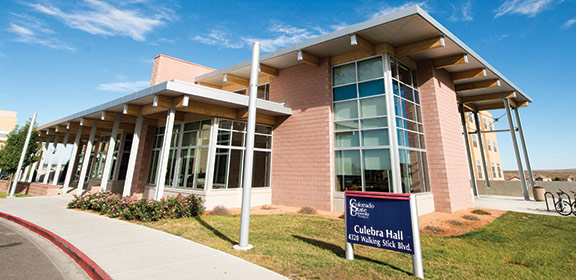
<point>359,209</point>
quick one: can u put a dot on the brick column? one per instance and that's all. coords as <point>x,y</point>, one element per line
<point>143,159</point>
<point>447,165</point>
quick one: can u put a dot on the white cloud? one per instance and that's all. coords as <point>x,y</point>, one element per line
<point>463,13</point>
<point>124,86</point>
<point>569,23</point>
<point>37,36</point>
<point>101,18</point>
<point>285,35</point>
<point>529,8</point>
<point>387,9</point>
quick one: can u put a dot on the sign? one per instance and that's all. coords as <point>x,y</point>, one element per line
<point>381,220</point>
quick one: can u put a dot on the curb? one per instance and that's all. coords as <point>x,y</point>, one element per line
<point>92,269</point>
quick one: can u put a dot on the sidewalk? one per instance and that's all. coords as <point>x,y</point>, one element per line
<point>129,251</point>
<point>513,203</point>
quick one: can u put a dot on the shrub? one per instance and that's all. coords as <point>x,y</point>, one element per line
<point>455,222</point>
<point>480,212</point>
<point>470,217</point>
<point>307,210</point>
<point>267,207</point>
<point>220,210</point>
<point>343,217</point>
<point>433,229</point>
<point>131,208</point>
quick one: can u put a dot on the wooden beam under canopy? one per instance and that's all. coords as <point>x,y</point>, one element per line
<point>477,85</point>
<point>469,74</point>
<point>448,61</point>
<point>308,58</point>
<point>420,46</point>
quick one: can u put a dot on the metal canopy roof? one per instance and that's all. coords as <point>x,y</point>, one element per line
<point>173,89</point>
<point>396,29</point>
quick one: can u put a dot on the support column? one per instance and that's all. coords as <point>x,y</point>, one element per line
<point>86,159</point>
<point>133,156</point>
<point>72,161</point>
<point>60,159</point>
<point>468,150</point>
<point>524,149</point>
<point>110,155</point>
<point>42,158</point>
<point>481,146</point>
<point>163,164</point>
<point>50,159</point>
<point>25,174</point>
<point>515,143</point>
<point>31,174</point>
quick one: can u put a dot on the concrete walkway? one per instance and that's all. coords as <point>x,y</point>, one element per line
<point>514,203</point>
<point>128,251</point>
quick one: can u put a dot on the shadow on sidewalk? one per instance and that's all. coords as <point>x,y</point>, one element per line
<point>341,253</point>
<point>215,231</point>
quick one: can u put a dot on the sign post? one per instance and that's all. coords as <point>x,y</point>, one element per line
<point>386,221</point>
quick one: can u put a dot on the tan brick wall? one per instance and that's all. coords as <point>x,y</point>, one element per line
<point>168,68</point>
<point>36,189</point>
<point>449,177</point>
<point>302,151</point>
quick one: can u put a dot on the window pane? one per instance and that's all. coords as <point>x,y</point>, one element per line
<point>189,138</point>
<point>262,141</point>
<point>238,139</point>
<point>373,107</point>
<point>205,124</point>
<point>370,69</point>
<point>404,74</point>
<point>401,123</point>
<point>412,139</point>
<point>374,123</point>
<point>399,107</point>
<point>235,171</point>
<point>345,110</point>
<point>220,168</point>
<point>348,170</point>
<point>201,159</point>
<point>204,137</point>
<point>377,171</point>
<point>347,139</point>
<point>393,68</point>
<point>194,126</point>
<point>344,74</point>
<point>261,172</point>
<point>224,138</point>
<point>186,176</point>
<point>371,88</point>
<point>263,129</point>
<point>411,126</point>
<point>225,125</point>
<point>407,92</point>
<point>345,92</point>
<point>239,126</point>
<point>410,110</point>
<point>416,97</point>
<point>416,172</point>
<point>263,92</point>
<point>400,134</point>
<point>378,137</point>
<point>396,88</point>
<point>346,125</point>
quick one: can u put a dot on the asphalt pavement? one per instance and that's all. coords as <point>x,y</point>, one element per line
<point>26,255</point>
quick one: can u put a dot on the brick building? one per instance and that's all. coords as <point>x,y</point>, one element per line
<point>376,106</point>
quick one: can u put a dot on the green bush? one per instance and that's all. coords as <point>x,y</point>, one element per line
<point>131,208</point>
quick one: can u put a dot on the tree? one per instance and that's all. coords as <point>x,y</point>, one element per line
<point>10,154</point>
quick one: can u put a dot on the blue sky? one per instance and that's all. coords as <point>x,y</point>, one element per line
<point>59,57</point>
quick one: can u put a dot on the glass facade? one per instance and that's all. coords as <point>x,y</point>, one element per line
<point>363,121</point>
<point>190,149</point>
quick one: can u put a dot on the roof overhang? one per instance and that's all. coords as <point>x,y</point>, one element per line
<point>472,75</point>
<point>185,97</point>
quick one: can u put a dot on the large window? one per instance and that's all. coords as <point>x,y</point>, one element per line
<point>230,147</point>
<point>263,92</point>
<point>362,147</point>
<point>362,127</point>
<point>188,155</point>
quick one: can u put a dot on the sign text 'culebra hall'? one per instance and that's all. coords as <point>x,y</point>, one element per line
<point>380,220</point>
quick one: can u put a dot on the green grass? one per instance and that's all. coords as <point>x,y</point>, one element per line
<point>514,246</point>
<point>3,195</point>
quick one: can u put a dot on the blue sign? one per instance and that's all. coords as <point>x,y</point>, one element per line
<point>381,220</point>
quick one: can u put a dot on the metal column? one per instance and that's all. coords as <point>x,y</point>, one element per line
<point>515,143</point>
<point>481,146</point>
<point>86,159</point>
<point>524,149</point>
<point>72,161</point>
<point>110,155</point>
<point>243,243</point>
<point>133,156</point>
<point>468,150</point>
<point>163,164</point>
<point>51,159</point>
<point>61,158</point>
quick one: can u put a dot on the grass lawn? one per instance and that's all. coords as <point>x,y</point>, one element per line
<point>514,246</point>
<point>3,195</point>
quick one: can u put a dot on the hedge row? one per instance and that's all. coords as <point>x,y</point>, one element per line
<point>131,208</point>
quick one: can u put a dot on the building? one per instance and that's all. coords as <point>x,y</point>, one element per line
<point>489,146</point>
<point>8,121</point>
<point>377,106</point>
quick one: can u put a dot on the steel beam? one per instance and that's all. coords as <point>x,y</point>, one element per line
<point>481,146</point>
<point>515,143</point>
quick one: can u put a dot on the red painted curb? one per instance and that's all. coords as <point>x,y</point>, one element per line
<point>93,269</point>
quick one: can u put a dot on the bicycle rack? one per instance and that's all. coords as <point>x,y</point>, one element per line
<point>546,198</point>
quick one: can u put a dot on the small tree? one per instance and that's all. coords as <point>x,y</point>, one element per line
<point>10,154</point>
